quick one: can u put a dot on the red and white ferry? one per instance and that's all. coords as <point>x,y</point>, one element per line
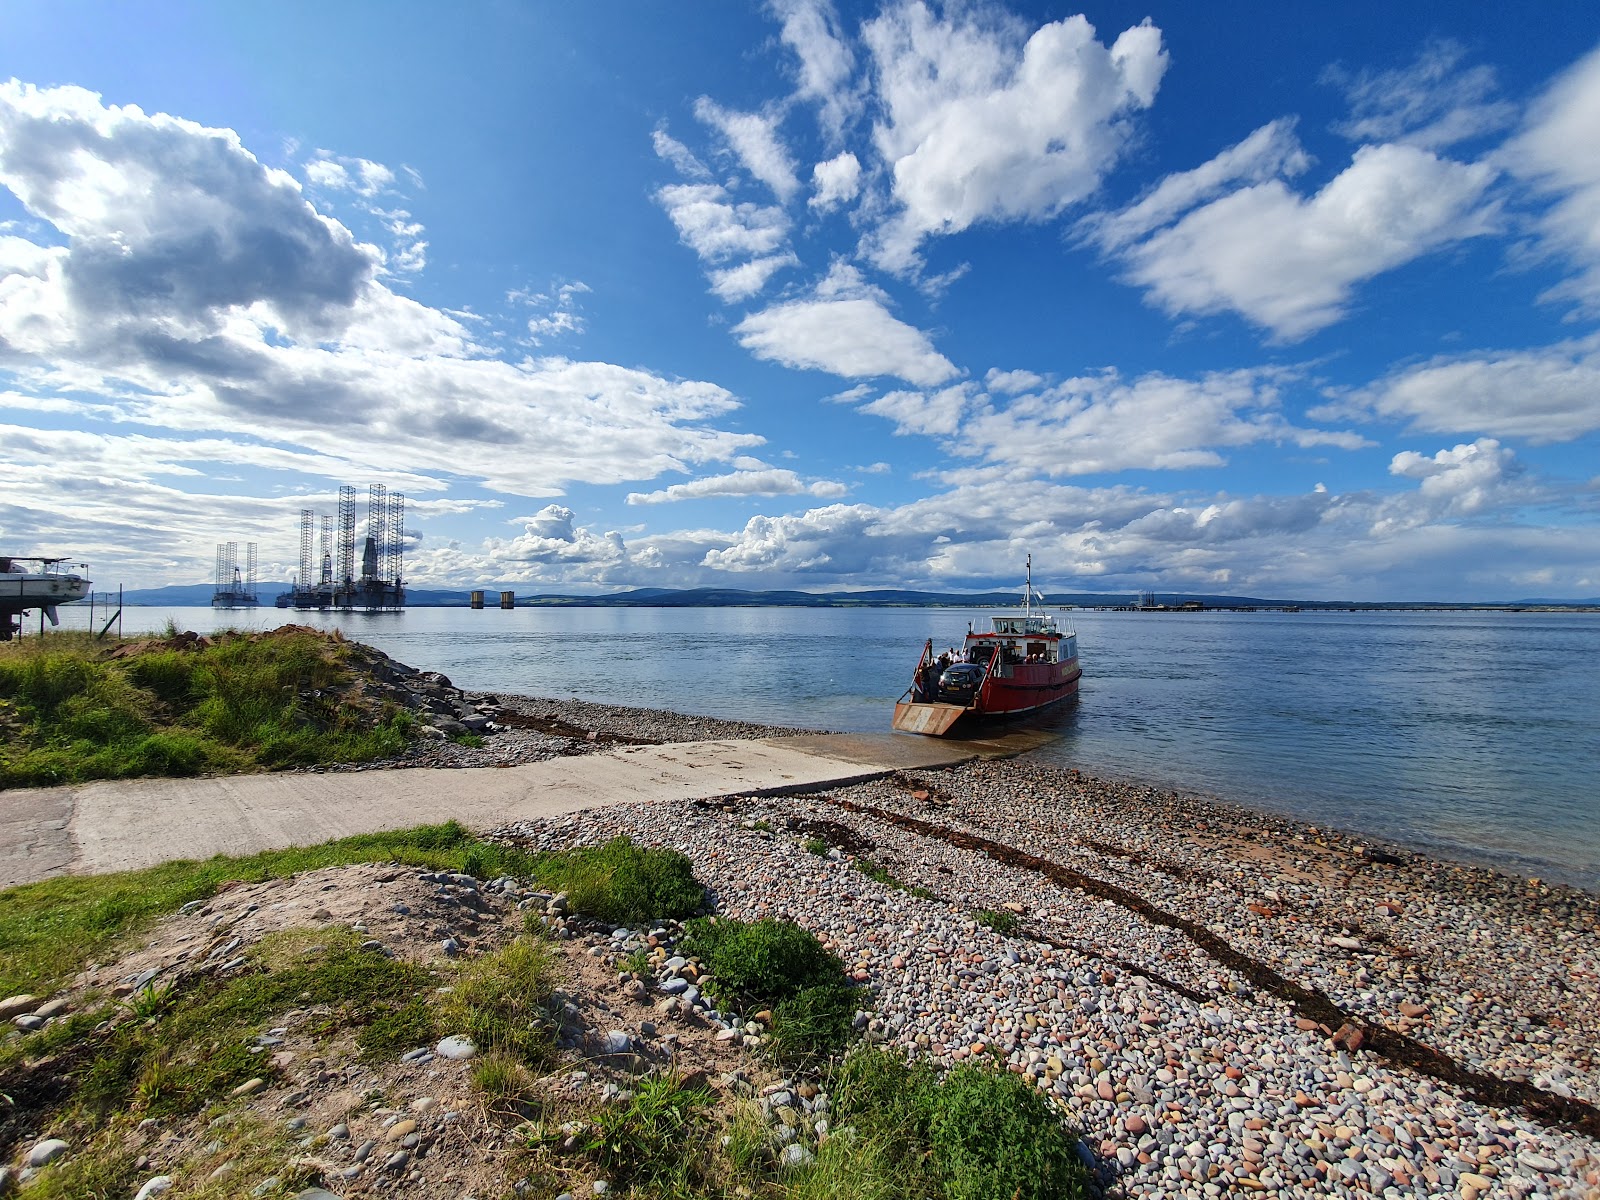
<point>1022,664</point>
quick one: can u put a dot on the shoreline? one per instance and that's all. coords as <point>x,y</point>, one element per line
<point>562,726</point>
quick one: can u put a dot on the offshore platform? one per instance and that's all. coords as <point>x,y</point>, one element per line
<point>235,589</point>
<point>329,580</point>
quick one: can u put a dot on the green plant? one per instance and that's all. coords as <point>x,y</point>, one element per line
<point>1001,921</point>
<point>817,846</point>
<point>499,1001</point>
<point>777,965</point>
<point>638,963</point>
<point>621,882</point>
<point>472,741</point>
<point>874,872</point>
<point>977,1134</point>
<point>657,1139</point>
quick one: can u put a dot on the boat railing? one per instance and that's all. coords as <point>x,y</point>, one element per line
<point>980,695</point>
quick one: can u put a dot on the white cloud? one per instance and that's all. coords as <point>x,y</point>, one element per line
<point>1434,102</point>
<point>1558,155</point>
<point>937,415</point>
<point>826,63</point>
<point>845,329</point>
<point>198,291</point>
<point>1290,264</point>
<point>732,284</point>
<point>1012,382</point>
<point>1269,152</point>
<point>836,181</point>
<point>359,175</point>
<point>670,149</point>
<point>719,231</point>
<point>1102,424</point>
<point>753,138</point>
<point>555,311</point>
<point>982,124</point>
<point>1547,394</point>
<point>1460,481</point>
<point>771,482</point>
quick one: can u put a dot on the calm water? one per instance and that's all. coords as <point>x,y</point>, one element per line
<point>1475,735</point>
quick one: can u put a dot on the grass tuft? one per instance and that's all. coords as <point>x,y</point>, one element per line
<point>1002,921</point>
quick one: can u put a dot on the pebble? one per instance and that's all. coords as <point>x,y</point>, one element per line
<point>1210,1085</point>
<point>153,1187</point>
<point>456,1047</point>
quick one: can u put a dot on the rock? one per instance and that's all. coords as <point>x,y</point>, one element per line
<point>1410,1009</point>
<point>1136,1125</point>
<point>674,987</point>
<point>314,1194</point>
<point>399,1130</point>
<point>28,1022</point>
<point>8,1181</point>
<point>616,1041</point>
<point>15,1006</point>
<point>796,1155</point>
<point>46,1152</point>
<point>52,1008</point>
<point>1344,943</point>
<point>1349,1037</point>
<point>456,1047</point>
<point>153,1187</point>
<point>249,1087</point>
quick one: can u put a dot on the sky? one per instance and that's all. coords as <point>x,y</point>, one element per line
<point>1275,300</point>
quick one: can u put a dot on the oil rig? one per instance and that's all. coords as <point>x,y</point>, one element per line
<point>329,580</point>
<point>233,588</point>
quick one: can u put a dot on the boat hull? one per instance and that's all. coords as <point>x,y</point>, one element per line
<point>1027,691</point>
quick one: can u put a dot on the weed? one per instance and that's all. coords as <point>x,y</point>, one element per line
<point>499,1002</point>
<point>776,965</point>
<point>471,741</point>
<point>638,963</point>
<point>621,882</point>
<point>657,1140</point>
<point>151,1000</point>
<point>817,846</point>
<point>506,1086</point>
<point>874,872</point>
<point>1000,921</point>
<point>978,1133</point>
<point>760,827</point>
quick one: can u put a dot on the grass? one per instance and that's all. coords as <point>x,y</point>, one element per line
<point>1001,921</point>
<point>979,1133</point>
<point>817,846</point>
<point>782,967</point>
<point>244,702</point>
<point>658,1142</point>
<point>873,871</point>
<point>499,1002</point>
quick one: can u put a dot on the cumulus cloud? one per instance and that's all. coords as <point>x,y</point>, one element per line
<point>984,124</point>
<point>732,284</point>
<point>836,181</point>
<point>555,311</point>
<point>845,328</point>
<point>358,175</point>
<point>717,229</point>
<point>1462,480</point>
<point>1545,394</point>
<point>753,138</point>
<point>1290,264</point>
<point>195,290</point>
<point>1102,424</point>
<point>826,63</point>
<point>1011,382</point>
<point>770,482</point>
<point>1433,102</point>
<point>1269,153</point>
<point>1556,154</point>
<point>670,149</point>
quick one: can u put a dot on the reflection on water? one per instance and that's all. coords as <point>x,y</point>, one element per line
<point>1473,733</point>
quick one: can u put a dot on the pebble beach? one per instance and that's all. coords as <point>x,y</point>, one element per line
<point>1223,1001</point>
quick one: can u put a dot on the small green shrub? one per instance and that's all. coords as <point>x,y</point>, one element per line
<point>621,882</point>
<point>1001,921</point>
<point>874,872</point>
<point>776,965</point>
<point>817,846</point>
<point>655,1141</point>
<point>977,1134</point>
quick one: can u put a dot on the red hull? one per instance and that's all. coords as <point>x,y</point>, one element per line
<point>1031,687</point>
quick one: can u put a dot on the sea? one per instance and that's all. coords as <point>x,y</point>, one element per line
<point>1469,735</point>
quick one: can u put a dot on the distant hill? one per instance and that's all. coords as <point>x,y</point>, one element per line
<point>198,595</point>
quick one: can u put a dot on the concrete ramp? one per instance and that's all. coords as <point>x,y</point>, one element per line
<point>128,824</point>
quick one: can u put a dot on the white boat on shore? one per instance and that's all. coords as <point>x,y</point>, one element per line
<point>29,583</point>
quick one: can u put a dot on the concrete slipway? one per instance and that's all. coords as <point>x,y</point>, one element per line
<point>127,824</point>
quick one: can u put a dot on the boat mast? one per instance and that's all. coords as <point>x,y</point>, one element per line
<point>1027,612</point>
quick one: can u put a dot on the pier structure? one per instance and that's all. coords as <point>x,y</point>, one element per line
<point>330,580</point>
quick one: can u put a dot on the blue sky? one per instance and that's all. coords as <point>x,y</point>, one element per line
<point>1258,299</point>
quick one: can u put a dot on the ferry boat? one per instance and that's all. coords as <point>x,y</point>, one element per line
<point>1021,664</point>
<point>29,583</point>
